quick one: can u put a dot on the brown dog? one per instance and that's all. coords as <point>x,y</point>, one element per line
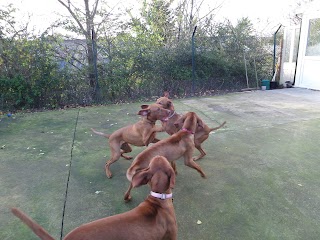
<point>201,133</point>
<point>178,145</point>
<point>139,134</point>
<point>152,219</point>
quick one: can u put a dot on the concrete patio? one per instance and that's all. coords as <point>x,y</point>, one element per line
<point>263,171</point>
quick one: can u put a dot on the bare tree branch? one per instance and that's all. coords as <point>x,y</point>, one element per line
<point>68,7</point>
<point>94,11</point>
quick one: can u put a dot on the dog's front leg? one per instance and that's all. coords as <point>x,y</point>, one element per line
<point>127,196</point>
<point>150,137</point>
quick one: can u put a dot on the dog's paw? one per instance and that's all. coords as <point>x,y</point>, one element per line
<point>127,198</point>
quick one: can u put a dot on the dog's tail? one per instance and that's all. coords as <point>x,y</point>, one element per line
<point>100,133</point>
<point>220,126</point>
<point>35,227</point>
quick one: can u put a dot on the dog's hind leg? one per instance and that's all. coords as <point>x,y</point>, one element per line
<point>115,155</point>
<point>126,148</point>
<point>202,153</point>
<point>188,161</point>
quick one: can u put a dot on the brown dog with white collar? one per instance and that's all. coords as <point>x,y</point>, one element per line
<point>152,219</point>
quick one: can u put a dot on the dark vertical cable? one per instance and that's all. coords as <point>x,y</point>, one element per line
<point>70,162</point>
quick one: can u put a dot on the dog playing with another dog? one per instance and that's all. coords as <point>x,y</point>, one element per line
<point>153,219</point>
<point>201,133</point>
<point>140,134</point>
<point>178,145</point>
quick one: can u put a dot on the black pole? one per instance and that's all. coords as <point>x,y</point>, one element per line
<point>274,50</point>
<point>94,50</point>
<point>193,61</point>
<point>295,69</point>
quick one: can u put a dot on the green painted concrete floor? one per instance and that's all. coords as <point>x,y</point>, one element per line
<point>263,171</point>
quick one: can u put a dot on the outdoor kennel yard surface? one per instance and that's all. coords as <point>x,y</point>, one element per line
<point>263,168</point>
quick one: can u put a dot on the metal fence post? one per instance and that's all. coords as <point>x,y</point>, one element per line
<point>193,60</point>
<point>94,50</point>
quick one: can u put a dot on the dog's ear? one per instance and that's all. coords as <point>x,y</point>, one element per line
<point>166,94</point>
<point>141,178</point>
<point>172,176</point>
<point>200,122</point>
<point>144,112</point>
<point>144,106</point>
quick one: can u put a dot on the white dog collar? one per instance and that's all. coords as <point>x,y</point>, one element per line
<point>174,112</point>
<point>162,196</point>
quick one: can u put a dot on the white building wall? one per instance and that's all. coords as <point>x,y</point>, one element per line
<point>308,65</point>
